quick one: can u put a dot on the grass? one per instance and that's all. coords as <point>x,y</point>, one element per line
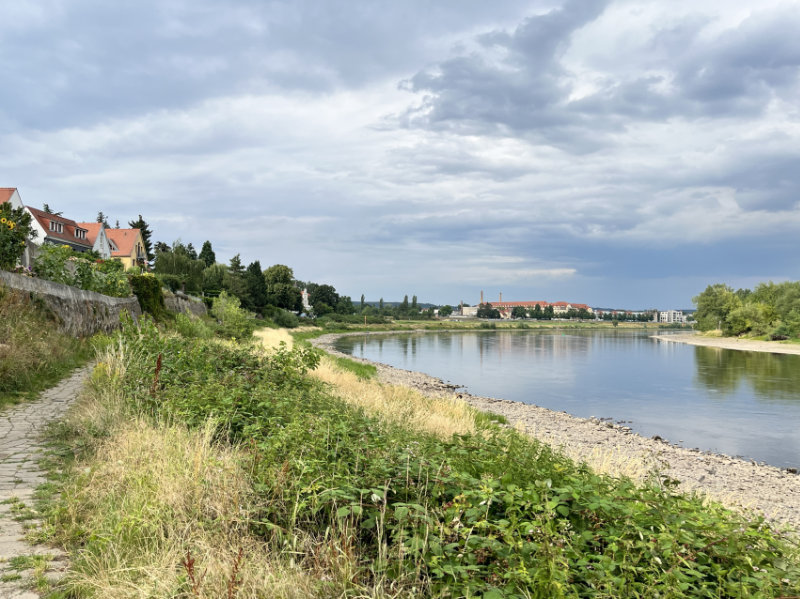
<point>215,470</point>
<point>34,355</point>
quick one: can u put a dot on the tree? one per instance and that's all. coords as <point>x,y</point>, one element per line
<point>380,304</point>
<point>487,311</point>
<point>191,251</point>
<point>713,307</point>
<point>548,313</point>
<point>345,305</point>
<point>519,312</point>
<point>445,311</point>
<point>278,274</point>
<point>414,303</point>
<point>46,209</point>
<point>207,254</point>
<point>214,279</point>
<point>362,302</point>
<point>144,229</point>
<point>537,312</point>
<point>256,298</point>
<point>323,298</point>
<point>235,266</point>
<point>103,220</point>
<point>160,246</point>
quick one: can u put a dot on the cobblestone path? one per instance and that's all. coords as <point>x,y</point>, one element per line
<point>20,450</point>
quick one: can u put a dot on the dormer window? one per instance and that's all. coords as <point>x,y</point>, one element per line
<point>80,233</point>
<point>56,227</point>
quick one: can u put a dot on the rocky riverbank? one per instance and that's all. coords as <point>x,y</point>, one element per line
<point>615,449</point>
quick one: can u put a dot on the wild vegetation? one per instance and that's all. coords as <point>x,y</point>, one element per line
<point>33,353</point>
<point>210,468</point>
<point>771,310</point>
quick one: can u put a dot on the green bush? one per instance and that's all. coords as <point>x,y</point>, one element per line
<point>232,319</point>
<point>192,327</point>
<point>147,289</point>
<point>61,264</point>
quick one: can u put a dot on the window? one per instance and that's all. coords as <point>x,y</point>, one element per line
<point>80,233</point>
<point>56,227</point>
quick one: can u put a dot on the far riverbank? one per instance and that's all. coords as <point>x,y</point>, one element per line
<point>773,347</point>
<point>615,449</point>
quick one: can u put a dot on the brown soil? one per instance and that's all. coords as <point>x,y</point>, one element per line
<point>737,483</point>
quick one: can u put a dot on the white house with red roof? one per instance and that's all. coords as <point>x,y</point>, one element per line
<point>96,235</point>
<point>10,194</point>
<point>58,230</point>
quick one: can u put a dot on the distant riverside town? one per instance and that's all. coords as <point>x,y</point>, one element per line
<point>527,308</point>
<point>129,247</point>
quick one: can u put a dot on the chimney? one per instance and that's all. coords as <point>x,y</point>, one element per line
<point>481,295</point>
<point>501,297</point>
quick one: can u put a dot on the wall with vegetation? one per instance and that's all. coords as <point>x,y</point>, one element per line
<point>80,313</point>
<point>180,302</point>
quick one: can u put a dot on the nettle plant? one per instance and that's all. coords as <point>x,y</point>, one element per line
<point>15,228</point>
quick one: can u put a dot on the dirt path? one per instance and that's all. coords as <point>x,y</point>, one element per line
<point>21,426</point>
<point>615,449</point>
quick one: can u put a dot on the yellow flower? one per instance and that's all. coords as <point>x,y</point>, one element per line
<point>11,225</point>
<point>3,220</point>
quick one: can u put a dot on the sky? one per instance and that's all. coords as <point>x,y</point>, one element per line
<point>619,153</point>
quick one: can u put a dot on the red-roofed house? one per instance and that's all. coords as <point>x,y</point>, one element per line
<point>96,235</point>
<point>58,230</point>
<point>128,246</point>
<point>10,194</point>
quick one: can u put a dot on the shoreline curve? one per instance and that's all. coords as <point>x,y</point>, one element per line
<point>771,347</point>
<point>744,485</point>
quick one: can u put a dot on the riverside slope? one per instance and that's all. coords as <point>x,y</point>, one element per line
<point>616,450</point>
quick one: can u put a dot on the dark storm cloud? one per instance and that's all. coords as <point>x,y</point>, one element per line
<point>517,83</point>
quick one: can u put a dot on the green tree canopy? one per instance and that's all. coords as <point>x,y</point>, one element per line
<point>144,229</point>
<point>207,254</point>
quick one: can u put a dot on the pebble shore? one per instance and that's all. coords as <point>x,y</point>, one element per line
<point>740,484</point>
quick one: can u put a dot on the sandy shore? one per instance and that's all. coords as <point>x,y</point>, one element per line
<point>772,347</point>
<point>613,448</point>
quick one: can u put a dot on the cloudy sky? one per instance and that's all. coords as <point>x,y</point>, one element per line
<point>617,153</point>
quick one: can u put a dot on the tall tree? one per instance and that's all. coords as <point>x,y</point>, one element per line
<point>414,303</point>
<point>236,267</point>
<point>191,251</point>
<point>256,298</point>
<point>362,302</point>
<point>46,208</point>
<point>103,220</point>
<point>144,229</point>
<point>323,298</point>
<point>207,254</point>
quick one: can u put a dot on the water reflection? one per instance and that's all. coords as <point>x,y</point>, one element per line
<point>770,376</point>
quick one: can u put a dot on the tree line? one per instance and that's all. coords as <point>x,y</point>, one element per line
<point>771,309</point>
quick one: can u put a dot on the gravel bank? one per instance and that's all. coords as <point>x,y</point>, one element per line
<point>613,448</point>
<point>771,347</point>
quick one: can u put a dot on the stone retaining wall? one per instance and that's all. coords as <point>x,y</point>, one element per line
<point>80,313</point>
<point>180,302</point>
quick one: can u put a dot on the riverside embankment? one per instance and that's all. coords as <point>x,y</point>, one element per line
<point>772,347</point>
<point>607,447</point>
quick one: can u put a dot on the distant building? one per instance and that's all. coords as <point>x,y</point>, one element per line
<point>96,235</point>
<point>10,195</point>
<point>128,246</point>
<point>671,316</point>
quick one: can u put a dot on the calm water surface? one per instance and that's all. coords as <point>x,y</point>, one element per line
<point>733,402</point>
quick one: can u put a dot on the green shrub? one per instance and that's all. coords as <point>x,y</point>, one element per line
<point>191,326</point>
<point>61,264</point>
<point>147,289</point>
<point>232,319</point>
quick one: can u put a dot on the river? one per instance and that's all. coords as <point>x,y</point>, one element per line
<point>733,402</point>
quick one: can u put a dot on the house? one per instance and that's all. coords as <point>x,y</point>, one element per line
<point>10,194</point>
<point>128,246</point>
<point>58,230</point>
<point>96,235</point>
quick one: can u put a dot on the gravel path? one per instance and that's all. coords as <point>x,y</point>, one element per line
<point>737,483</point>
<point>21,427</point>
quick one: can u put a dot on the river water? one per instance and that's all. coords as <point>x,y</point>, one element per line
<point>734,402</point>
